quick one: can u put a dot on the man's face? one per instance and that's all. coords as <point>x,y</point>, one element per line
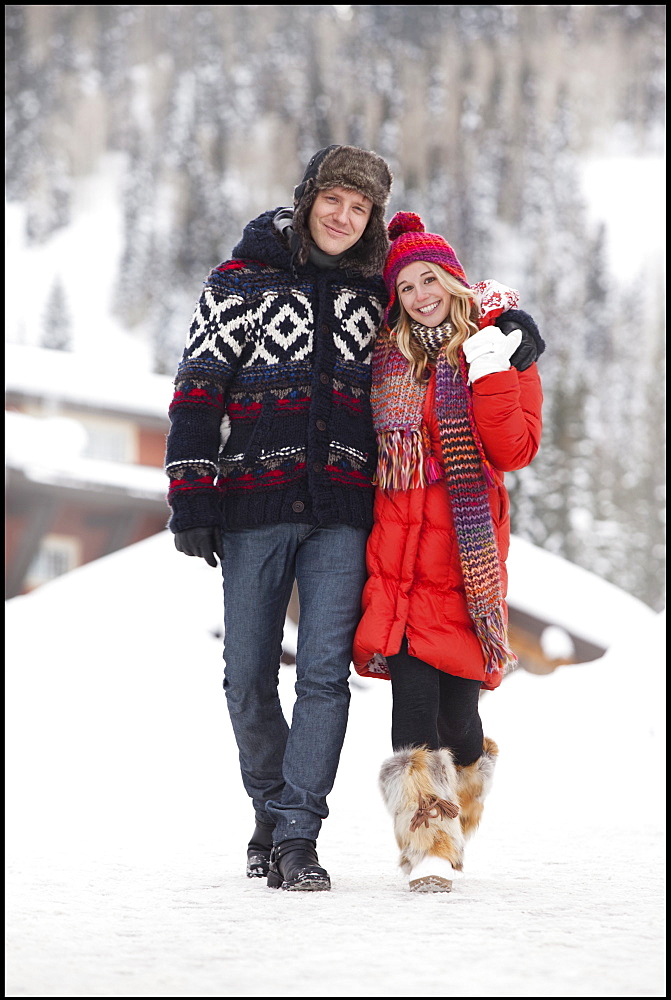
<point>338,219</point>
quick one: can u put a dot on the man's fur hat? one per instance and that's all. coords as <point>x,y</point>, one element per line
<point>358,170</point>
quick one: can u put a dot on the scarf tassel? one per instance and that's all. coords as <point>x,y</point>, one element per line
<point>492,634</point>
<point>432,468</point>
<point>401,460</point>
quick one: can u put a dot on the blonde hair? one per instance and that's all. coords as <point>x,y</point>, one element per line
<point>463,314</point>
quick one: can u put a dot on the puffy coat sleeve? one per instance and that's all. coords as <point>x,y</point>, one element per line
<point>507,407</point>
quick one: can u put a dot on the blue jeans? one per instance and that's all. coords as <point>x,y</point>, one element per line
<point>288,771</point>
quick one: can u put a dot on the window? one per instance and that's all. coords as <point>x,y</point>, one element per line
<point>109,440</point>
<point>56,555</point>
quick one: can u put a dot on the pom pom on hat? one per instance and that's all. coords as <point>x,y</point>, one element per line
<point>405,222</point>
<point>410,242</point>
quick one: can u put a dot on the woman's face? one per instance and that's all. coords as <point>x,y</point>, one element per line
<point>422,295</point>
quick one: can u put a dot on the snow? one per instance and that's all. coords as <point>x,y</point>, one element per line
<point>543,584</point>
<point>63,464</point>
<point>85,257</point>
<point>627,195</point>
<point>79,378</point>
<point>556,643</point>
<point>71,382</point>
<point>127,821</point>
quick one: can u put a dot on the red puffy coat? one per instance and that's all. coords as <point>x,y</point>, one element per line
<point>415,585</point>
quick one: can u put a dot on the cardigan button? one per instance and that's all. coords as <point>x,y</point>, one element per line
<point>318,467</point>
<point>298,506</point>
<point>321,425</point>
<point>324,379</point>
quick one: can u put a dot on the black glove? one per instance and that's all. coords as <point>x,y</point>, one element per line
<point>204,542</point>
<point>532,344</point>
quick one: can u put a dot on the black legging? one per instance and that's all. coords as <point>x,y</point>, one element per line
<point>434,709</point>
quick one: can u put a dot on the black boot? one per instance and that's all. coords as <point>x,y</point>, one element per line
<point>294,865</point>
<point>258,851</point>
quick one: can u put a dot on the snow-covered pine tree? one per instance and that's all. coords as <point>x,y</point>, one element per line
<point>57,324</point>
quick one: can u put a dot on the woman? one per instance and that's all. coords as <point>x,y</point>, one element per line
<point>456,402</point>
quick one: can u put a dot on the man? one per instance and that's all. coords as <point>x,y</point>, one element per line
<point>271,453</point>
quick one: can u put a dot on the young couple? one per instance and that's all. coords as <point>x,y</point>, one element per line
<point>344,411</point>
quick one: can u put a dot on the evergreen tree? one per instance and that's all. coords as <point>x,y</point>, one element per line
<point>57,327</point>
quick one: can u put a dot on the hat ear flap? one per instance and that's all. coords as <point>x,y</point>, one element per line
<point>302,208</point>
<point>303,188</point>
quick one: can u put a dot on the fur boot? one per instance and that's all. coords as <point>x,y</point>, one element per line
<point>419,788</point>
<point>473,784</point>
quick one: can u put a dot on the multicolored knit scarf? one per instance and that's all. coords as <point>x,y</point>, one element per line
<point>432,338</point>
<point>405,462</point>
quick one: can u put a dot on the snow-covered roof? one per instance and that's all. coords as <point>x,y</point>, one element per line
<point>557,591</point>
<point>48,451</point>
<point>87,379</point>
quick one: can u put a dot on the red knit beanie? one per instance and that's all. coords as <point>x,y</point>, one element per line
<point>411,242</point>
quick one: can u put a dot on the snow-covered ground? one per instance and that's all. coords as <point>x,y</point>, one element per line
<point>127,821</point>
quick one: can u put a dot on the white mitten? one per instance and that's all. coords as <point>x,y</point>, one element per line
<point>489,351</point>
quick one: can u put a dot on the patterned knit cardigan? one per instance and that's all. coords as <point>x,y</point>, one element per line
<point>270,420</point>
